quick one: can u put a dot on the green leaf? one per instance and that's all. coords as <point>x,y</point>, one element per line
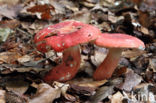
<point>4,33</point>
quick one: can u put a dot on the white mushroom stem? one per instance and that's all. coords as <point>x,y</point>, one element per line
<point>107,67</point>
<point>68,68</point>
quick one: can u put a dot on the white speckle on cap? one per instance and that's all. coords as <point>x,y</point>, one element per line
<point>62,78</point>
<point>141,47</point>
<point>49,28</point>
<point>37,37</point>
<point>71,65</point>
<point>68,75</point>
<point>58,45</point>
<point>62,44</point>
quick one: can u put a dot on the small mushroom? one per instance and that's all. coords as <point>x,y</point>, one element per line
<point>65,37</point>
<point>115,42</point>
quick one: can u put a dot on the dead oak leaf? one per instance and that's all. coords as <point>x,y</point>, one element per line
<point>44,10</point>
<point>13,97</point>
<point>45,94</point>
<point>2,96</point>
<point>9,57</point>
<point>12,24</point>
<point>132,79</point>
<point>116,98</point>
<point>10,11</point>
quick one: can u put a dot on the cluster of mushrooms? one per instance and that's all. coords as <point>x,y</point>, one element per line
<point>67,36</point>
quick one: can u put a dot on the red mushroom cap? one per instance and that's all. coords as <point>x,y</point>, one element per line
<point>64,35</point>
<point>115,43</point>
<point>118,40</point>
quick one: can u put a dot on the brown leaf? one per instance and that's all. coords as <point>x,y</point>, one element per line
<point>102,93</point>
<point>45,94</point>
<point>152,64</point>
<point>45,10</point>
<point>132,79</point>
<point>12,97</point>
<point>84,90</point>
<point>87,82</point>
<point>136,1</point>
<point>10,11</point>
<point>144,18</point>
<point>144,30</point>
<point>24,59</point>
<point>132,53</point>
<point>94,84</point>
<point>119,72</point>
<point>9,24</point>
<point>147,5</point>
<point>117,98</point>
<point>2,96</point>
<point>82,16</point>
<point>99,55</point>
<point>9,57</point>
<point>9,2</point>
<point>17,85</point>
<point>6,69</point>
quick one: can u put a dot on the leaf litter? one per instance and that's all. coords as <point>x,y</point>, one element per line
<point>22,66</point>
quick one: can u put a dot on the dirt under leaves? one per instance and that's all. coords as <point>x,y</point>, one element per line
<point>22,66</point>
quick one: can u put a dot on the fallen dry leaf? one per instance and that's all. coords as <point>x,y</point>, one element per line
<point>152,64</point>
<point>6,69</point>
<point>86,66</point>
<point>119,72</point>
<point>2,96</point>
<point>10,11</point>
<point>132,53</point>
<point>132,79</point>
<point>102,93</point>
<point>4,33</point>
<point>88,3</point>
<point>87,82</point>
<point>13,97</point>
<point>99,56</point>
<point>12,24</point>
<point>9,57</point>
<point>82,16</point>
<point>42,11</point>
<point>116,98</point>
<point>9,2</point>
<point>62,86</point>
<point>83,90</point>
<point>144,30</point>
<point>24,58</point>
<point>144,18</point>
<point>17,85</point>
<point>147,5</point>
<point>45,94</point>
<point>93,84</point>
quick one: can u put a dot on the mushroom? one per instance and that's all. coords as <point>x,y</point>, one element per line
<point>65,37</point>
<point>115,42</point>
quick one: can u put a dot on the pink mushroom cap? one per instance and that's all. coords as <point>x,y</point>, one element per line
<point>118,40</point>
<point>64,35</point>
<point>115,42</point>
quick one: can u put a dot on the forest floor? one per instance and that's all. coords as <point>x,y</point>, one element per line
<point>22,67</point>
